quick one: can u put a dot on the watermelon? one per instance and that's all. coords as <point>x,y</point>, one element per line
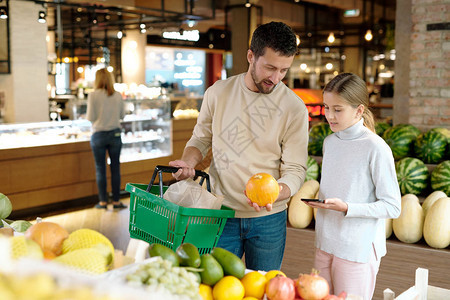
<point>440,177</point>
<point>381,127</point>
<point>412,175</point>
<point>317,134</point>
<point>430,147</point>
<point>446,133</point>
<point>312,171</point>
<point>401,139</point>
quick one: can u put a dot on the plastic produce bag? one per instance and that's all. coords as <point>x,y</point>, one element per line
<point>188,193</point>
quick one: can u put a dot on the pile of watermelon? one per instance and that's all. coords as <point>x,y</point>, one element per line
<point>317,134</point>
<point>313,169</point>
<point>405,140</point>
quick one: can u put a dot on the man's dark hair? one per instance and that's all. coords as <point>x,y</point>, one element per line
<point>276,36</point>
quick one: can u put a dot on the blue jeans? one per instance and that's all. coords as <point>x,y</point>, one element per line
<point>262,240</point>
<point>101,142</point>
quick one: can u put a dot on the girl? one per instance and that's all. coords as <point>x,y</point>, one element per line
<point>360,189</point>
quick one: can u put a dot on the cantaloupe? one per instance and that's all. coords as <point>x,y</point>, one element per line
<point>388,228</point>
<point>300,214</point>
<point>429,201</point>
<point>408,227</point>
<point>436,228</point>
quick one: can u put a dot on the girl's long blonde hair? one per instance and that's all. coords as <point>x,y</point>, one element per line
<point>104,81</point>
<point>352,89</point>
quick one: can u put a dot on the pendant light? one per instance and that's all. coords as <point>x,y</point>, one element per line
<point>3,13</point>
<point>368,35</point>
<point>331,38</point>
<point>42,17</point>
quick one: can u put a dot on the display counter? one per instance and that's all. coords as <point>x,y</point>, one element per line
<point>53,162</point>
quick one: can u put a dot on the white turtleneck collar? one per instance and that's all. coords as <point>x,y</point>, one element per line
<point>353,132</point>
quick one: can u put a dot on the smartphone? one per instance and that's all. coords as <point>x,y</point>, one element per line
<point>313,200</point>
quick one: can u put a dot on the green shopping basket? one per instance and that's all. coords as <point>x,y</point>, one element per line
<point>156,220</point>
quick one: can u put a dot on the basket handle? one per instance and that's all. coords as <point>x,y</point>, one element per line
<point>167,169</point>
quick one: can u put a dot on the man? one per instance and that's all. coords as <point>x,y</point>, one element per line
<point>253,123</point>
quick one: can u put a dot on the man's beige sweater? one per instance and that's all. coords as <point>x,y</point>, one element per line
<point>249,133</point>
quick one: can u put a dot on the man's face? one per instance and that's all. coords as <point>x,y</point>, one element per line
<point>268,70</point>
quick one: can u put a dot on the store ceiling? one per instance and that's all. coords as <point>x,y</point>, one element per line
<point>89,24</point>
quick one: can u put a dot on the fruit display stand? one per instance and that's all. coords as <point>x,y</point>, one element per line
<point>396,267</point>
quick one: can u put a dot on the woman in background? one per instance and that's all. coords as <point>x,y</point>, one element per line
<point>360,188</point>
<point>105,109</point>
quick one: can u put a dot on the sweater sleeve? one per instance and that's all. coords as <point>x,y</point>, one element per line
<point>202,135</point>
<point>295,153</point>
<point>387,192</point>
<point>91,114</point>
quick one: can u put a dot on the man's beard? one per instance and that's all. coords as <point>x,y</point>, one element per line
<point>259,84</point>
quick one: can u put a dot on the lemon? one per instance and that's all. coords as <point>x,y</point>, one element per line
<point>205,292</point>
<point>228,288</point>
<point>88,260</point>
<point>23,247</point>
<point>271,274</point>
<point>254,284</point>
<point>87,238</point>
<point>250,298</point>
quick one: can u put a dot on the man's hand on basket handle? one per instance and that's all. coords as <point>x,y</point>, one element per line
<point>184,172</point>
<point>191,157</point>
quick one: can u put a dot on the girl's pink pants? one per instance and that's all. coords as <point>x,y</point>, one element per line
<point>344,275</point>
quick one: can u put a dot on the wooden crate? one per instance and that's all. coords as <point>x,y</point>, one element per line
<point>420,290</point>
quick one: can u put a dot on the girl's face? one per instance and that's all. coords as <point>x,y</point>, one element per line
<point>340,115</point>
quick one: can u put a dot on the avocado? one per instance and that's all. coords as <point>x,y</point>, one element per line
<point>163,251</point>
<point>188,255</point>
<point>212,270</point>
<point>231,263</point>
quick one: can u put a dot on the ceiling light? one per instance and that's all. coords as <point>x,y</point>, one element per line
<point>368,35</point>
<point>329,66</point>
<point>3,13</point>
<point>120,34</point>
<point>143,30</point>
<point>331,38</point>
<point>298,39</point>
<point>42,16</point>
<point>248,4</point>
<point>191,23</point>
<point>142,25</point>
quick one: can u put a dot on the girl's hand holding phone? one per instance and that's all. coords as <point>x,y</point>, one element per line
<point>329,203</point>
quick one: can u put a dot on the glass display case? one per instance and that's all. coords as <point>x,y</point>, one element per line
<point>146,130</point>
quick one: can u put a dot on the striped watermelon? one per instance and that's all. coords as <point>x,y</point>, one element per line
<point>445,132</point>
<point>317,134</point>
<point>312,172</point>
<point>381,127</point>
<point>430,147</point>
<point>412,175</point>
<point>401,139</point>
<point>440,177</point>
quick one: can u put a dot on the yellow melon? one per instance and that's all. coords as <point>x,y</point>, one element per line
<point>436,228</point>
<point>300,214</point>
<point>409,225</point>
